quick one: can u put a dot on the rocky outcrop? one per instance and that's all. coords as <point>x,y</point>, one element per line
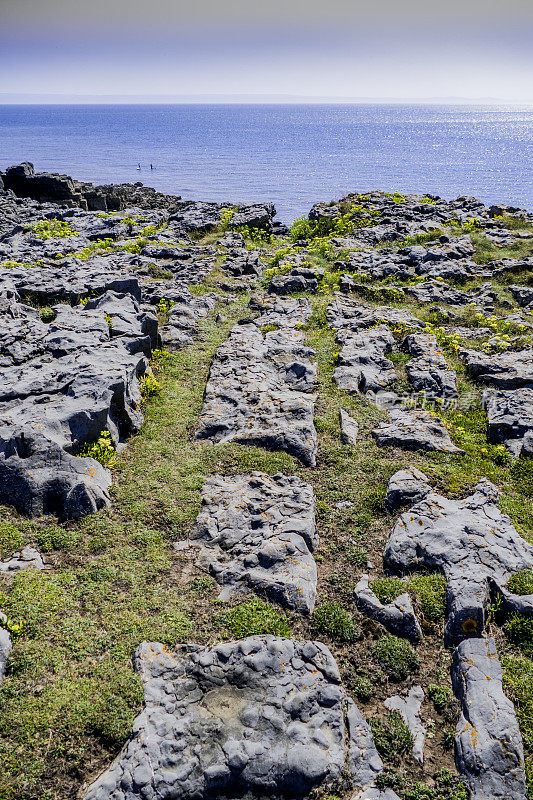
<point>259,391</point>
<point>261,717</point>
<point>64,382</point>
<point>471,542</point>
<point>362,363</point>
<point>258,533</point>
<point>510,418</point>
<point>414,430</point>
<point>488,745</point>
<point>397,617</point>
<point>284,313</point>
<point>28,558</point>
<point>349,428</point>
<point>405,487</point>
<point>428,370</point>
<point>508,370</point>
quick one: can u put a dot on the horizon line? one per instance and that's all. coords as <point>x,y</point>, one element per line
<point>27,98</point>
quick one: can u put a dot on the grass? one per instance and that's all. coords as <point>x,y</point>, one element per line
<point>521,582</point>
<point>392,737</point>
<point>331,620</point>
<point>254,618</point>
<point>396,657</point>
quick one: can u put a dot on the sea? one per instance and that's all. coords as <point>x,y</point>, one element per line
<point>291,155</point>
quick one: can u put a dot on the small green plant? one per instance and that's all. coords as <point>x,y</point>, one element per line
<point>150,386</point>
<point>52,229</point>
<point>430,592</point>
<point>519,631</point>
<point>392,737</point>
<point>164,305</point>
<point>331,619</point>
<point>14,628</point>
<point>226,215</point>
<point>362,688</point>
<point>396,657</point>
<point>440,695</point>
<point>388,589</point>
<point>445,786</point>
<point>101,450</point>
<point>254,618</point>
<point>521,582</point>
<point>47,314</point>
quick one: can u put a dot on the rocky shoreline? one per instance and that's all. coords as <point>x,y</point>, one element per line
<point>100,288</point>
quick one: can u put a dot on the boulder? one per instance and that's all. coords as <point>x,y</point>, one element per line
<point>405,487</point>
<point>349,428</point>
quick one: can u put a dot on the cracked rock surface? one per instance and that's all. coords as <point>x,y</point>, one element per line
<point>397,617</point>
<point>414,430</point>
<point>489,750</point>
<point>470,541</point>
<point>257,533</point>
<point>427,370</point>
<point>259,391</point>
<point>260,717</point>
<point>64,382</point>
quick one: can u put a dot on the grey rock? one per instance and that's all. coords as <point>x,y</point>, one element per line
<point>373,793</point>
<point>509,417</point>
<point>414,430</point>
<point>28,558</point>
<point>470,541</point>
<point>346,316</point>
<point>261,717</point>
<point>288,312</point>
<point>257,533</point>
<point>6,645</point>
<point>363,365</point>
<point>488,745</point>
<point>428,370</point>
<point>397,617</point>
<point>406,486</point>
<point>259,392</point>
<point>65,382</point>
<point>409,708</point>
<point>507,370</point>
<point>349,428</point>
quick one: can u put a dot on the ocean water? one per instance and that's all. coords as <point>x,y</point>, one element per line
<point>291,155</point>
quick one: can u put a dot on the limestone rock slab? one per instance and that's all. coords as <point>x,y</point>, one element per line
<point>470,541</point>
<point>414,430</point>
<point>260,717</point>
<point>489,750</point>
<point>397,617</point>
<point>257,533</point>
<point>259,392</point>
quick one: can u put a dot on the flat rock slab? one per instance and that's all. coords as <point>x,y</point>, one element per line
<point>349,428</point>
<point>510,418</point>
<point>414,430</point>
<point>363,365</point>
<point>259,392</point>
<point>471,542</point>
<point>257,533</point>
<point>428,370</point>
<point>509,370</point>
<point>345,314</point>
<point>285,313</point>
<point>260,717</point>
<point>488,745</point>
<point>28,558</point>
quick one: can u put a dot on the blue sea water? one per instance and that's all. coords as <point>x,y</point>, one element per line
<point>292,155</point>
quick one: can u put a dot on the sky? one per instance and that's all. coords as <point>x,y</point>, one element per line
<point>231,50</point>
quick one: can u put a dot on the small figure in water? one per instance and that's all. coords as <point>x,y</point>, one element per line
<point>151,166</point>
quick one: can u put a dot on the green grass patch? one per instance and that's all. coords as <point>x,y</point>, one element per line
<point>256,617</point>
<point>396,657</point>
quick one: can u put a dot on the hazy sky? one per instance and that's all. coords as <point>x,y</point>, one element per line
<point>316,48</point>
